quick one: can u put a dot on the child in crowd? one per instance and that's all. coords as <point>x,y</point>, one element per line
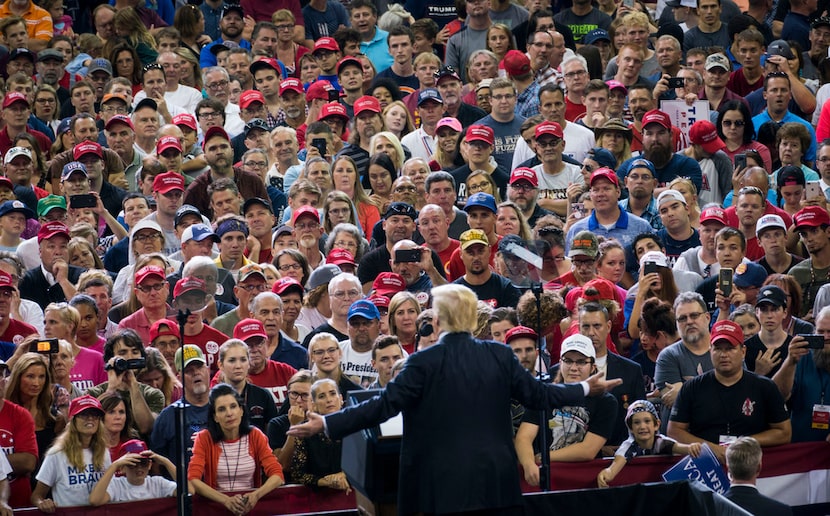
<point>136,484</point>
<point>61,22</point>
<point>644,439</point>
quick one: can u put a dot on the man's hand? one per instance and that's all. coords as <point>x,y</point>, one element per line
<point>61,270</point>
<point>670,394</point>
<point>767,361</point>
<point>296,415</point>
<point>597,385</point>
<point>313,426</point>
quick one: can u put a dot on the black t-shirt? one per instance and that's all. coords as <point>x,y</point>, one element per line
<point>763,263</point>
<point>260,404</point>
<point>712,409</point>
<point>327,328</point>
<point>568,425</point>
<point>277,428</point>
<point>496,291</point>
<point>674,248</point>
<point>755,347</point>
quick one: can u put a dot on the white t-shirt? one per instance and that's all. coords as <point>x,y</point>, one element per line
<point>554,186</point>
<point>29,252</point>
<point>120,490</point>
<point>420,144</point>
<point>70,487</point>
<point>356,365</point>
<point>183,100</point>
<point>31,313</point>
<point>234,124</point>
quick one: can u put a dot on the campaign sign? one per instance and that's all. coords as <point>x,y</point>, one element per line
<point>705,469</point>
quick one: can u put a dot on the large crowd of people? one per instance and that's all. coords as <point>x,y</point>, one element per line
<point>295,177</point>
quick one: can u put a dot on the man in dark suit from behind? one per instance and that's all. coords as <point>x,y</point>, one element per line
<point>743,457</point>
<point>455,396</point>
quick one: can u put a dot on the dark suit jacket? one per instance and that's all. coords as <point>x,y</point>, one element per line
<point>633,388</point>
<point>747,497</point>
<point>34,287</point>
<point>457,450</point>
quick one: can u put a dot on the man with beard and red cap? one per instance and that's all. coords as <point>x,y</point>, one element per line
<point>658,148</point>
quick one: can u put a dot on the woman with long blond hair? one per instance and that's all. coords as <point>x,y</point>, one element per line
<point>398,119</point>
<point>74,463</point>
<point>130,28</point>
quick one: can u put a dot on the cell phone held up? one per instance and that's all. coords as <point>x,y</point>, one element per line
<point>578,209</point>
<point>44,346</point>
<point>676,82</point>
<point>725,281</point>
<point>408,256</point>
<point>813,190</point>
<point>813,341</point>
<point>650,267</point>
<point>740,161</point>
<point>82,201</point>
<point>320,145</point>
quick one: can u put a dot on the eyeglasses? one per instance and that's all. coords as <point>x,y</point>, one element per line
<point>733,123</point>
<point>254,288</point>
<point>284,27</point>
<point>121,110</point>
<point>290,267</point>
<point>347,294</point>
<point>579,363</point>
<point>694,316</point>
<point>149,288</point>
<point>216,85</point>
<point>145,237</point>
<point>45,101</point>
<point>571,75</point>
<point>544,144</point>
<point>208,114</point>
<point>479,187</point>
<point>344,244</point>
<point>524,187</point>
<point>256,164</point>
<point>323,352</point>
<point>294,395</point>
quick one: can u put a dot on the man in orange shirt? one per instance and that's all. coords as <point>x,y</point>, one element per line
<point>38,21</point>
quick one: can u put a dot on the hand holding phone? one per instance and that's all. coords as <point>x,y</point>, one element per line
<point>725,281</point>
<point>676,82</point>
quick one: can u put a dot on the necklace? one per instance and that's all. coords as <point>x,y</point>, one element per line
<point>232,479</point>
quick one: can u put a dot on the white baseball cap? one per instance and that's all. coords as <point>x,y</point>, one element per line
<point>669,196</point>
<point>769,221</point>
<point>655,256</point>
<point>579,343</point>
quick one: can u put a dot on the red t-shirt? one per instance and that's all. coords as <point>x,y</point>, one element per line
<point>754,251</point>
<point>208,340</point>
<point>446,254</point>
<point>17,435</point>
<point>274,378</point>
<point>739,85</point>
<point>17,331</point>
<point>573,111</point>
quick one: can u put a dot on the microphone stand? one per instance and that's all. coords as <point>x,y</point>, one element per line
<point>542,438</point>
<point>184,501</point>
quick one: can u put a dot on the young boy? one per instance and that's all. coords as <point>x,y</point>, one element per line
<point>644,439</point>
<point>136,484</point>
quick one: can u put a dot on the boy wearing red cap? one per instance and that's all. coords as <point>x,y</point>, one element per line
<point>136,484</point>
<point>747,404</point>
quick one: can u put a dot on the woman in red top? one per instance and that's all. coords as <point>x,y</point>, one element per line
<point>228,455</point>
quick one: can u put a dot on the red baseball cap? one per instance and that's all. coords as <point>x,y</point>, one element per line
<point>379,301</point>
<point>87,147</point>
<point>339,256</point>
<point>186,120</point>
<point>480,133</point>
<point>518,332</point>
<point>713,214</point>
<point>729,331</point>
<point>119,119</point>
<point>248,97</point>
<point>148,271</point>
<point>516,63</point>
<point>189,284</point>
<point>164,327</point>
<point>168,142</point>
<point>13,97</point>
<point>265,62</point>
<point>284,284</point>
<point>614,84</point>
<point>132,446</point>
<point>326,43</point>
<point>388,284</point>
<point>215,131</point>
<point>291,84</point>
<point>655,116</point>
<point>305,210</point>
<point>705,134</point>
<point>84,403</point>
<point>168,181</point>
<point>6,280</point>
<point>249,328</point>
<point>524,174</point>
<point>605,173</point>
<point>366,103</point>
<point>349,60</point>
<point>606,290</point>
<point>51,229</point>
<point>812,216</point>
<point>551,128</point>
<point>333,109</point>
<point>318,90</point>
